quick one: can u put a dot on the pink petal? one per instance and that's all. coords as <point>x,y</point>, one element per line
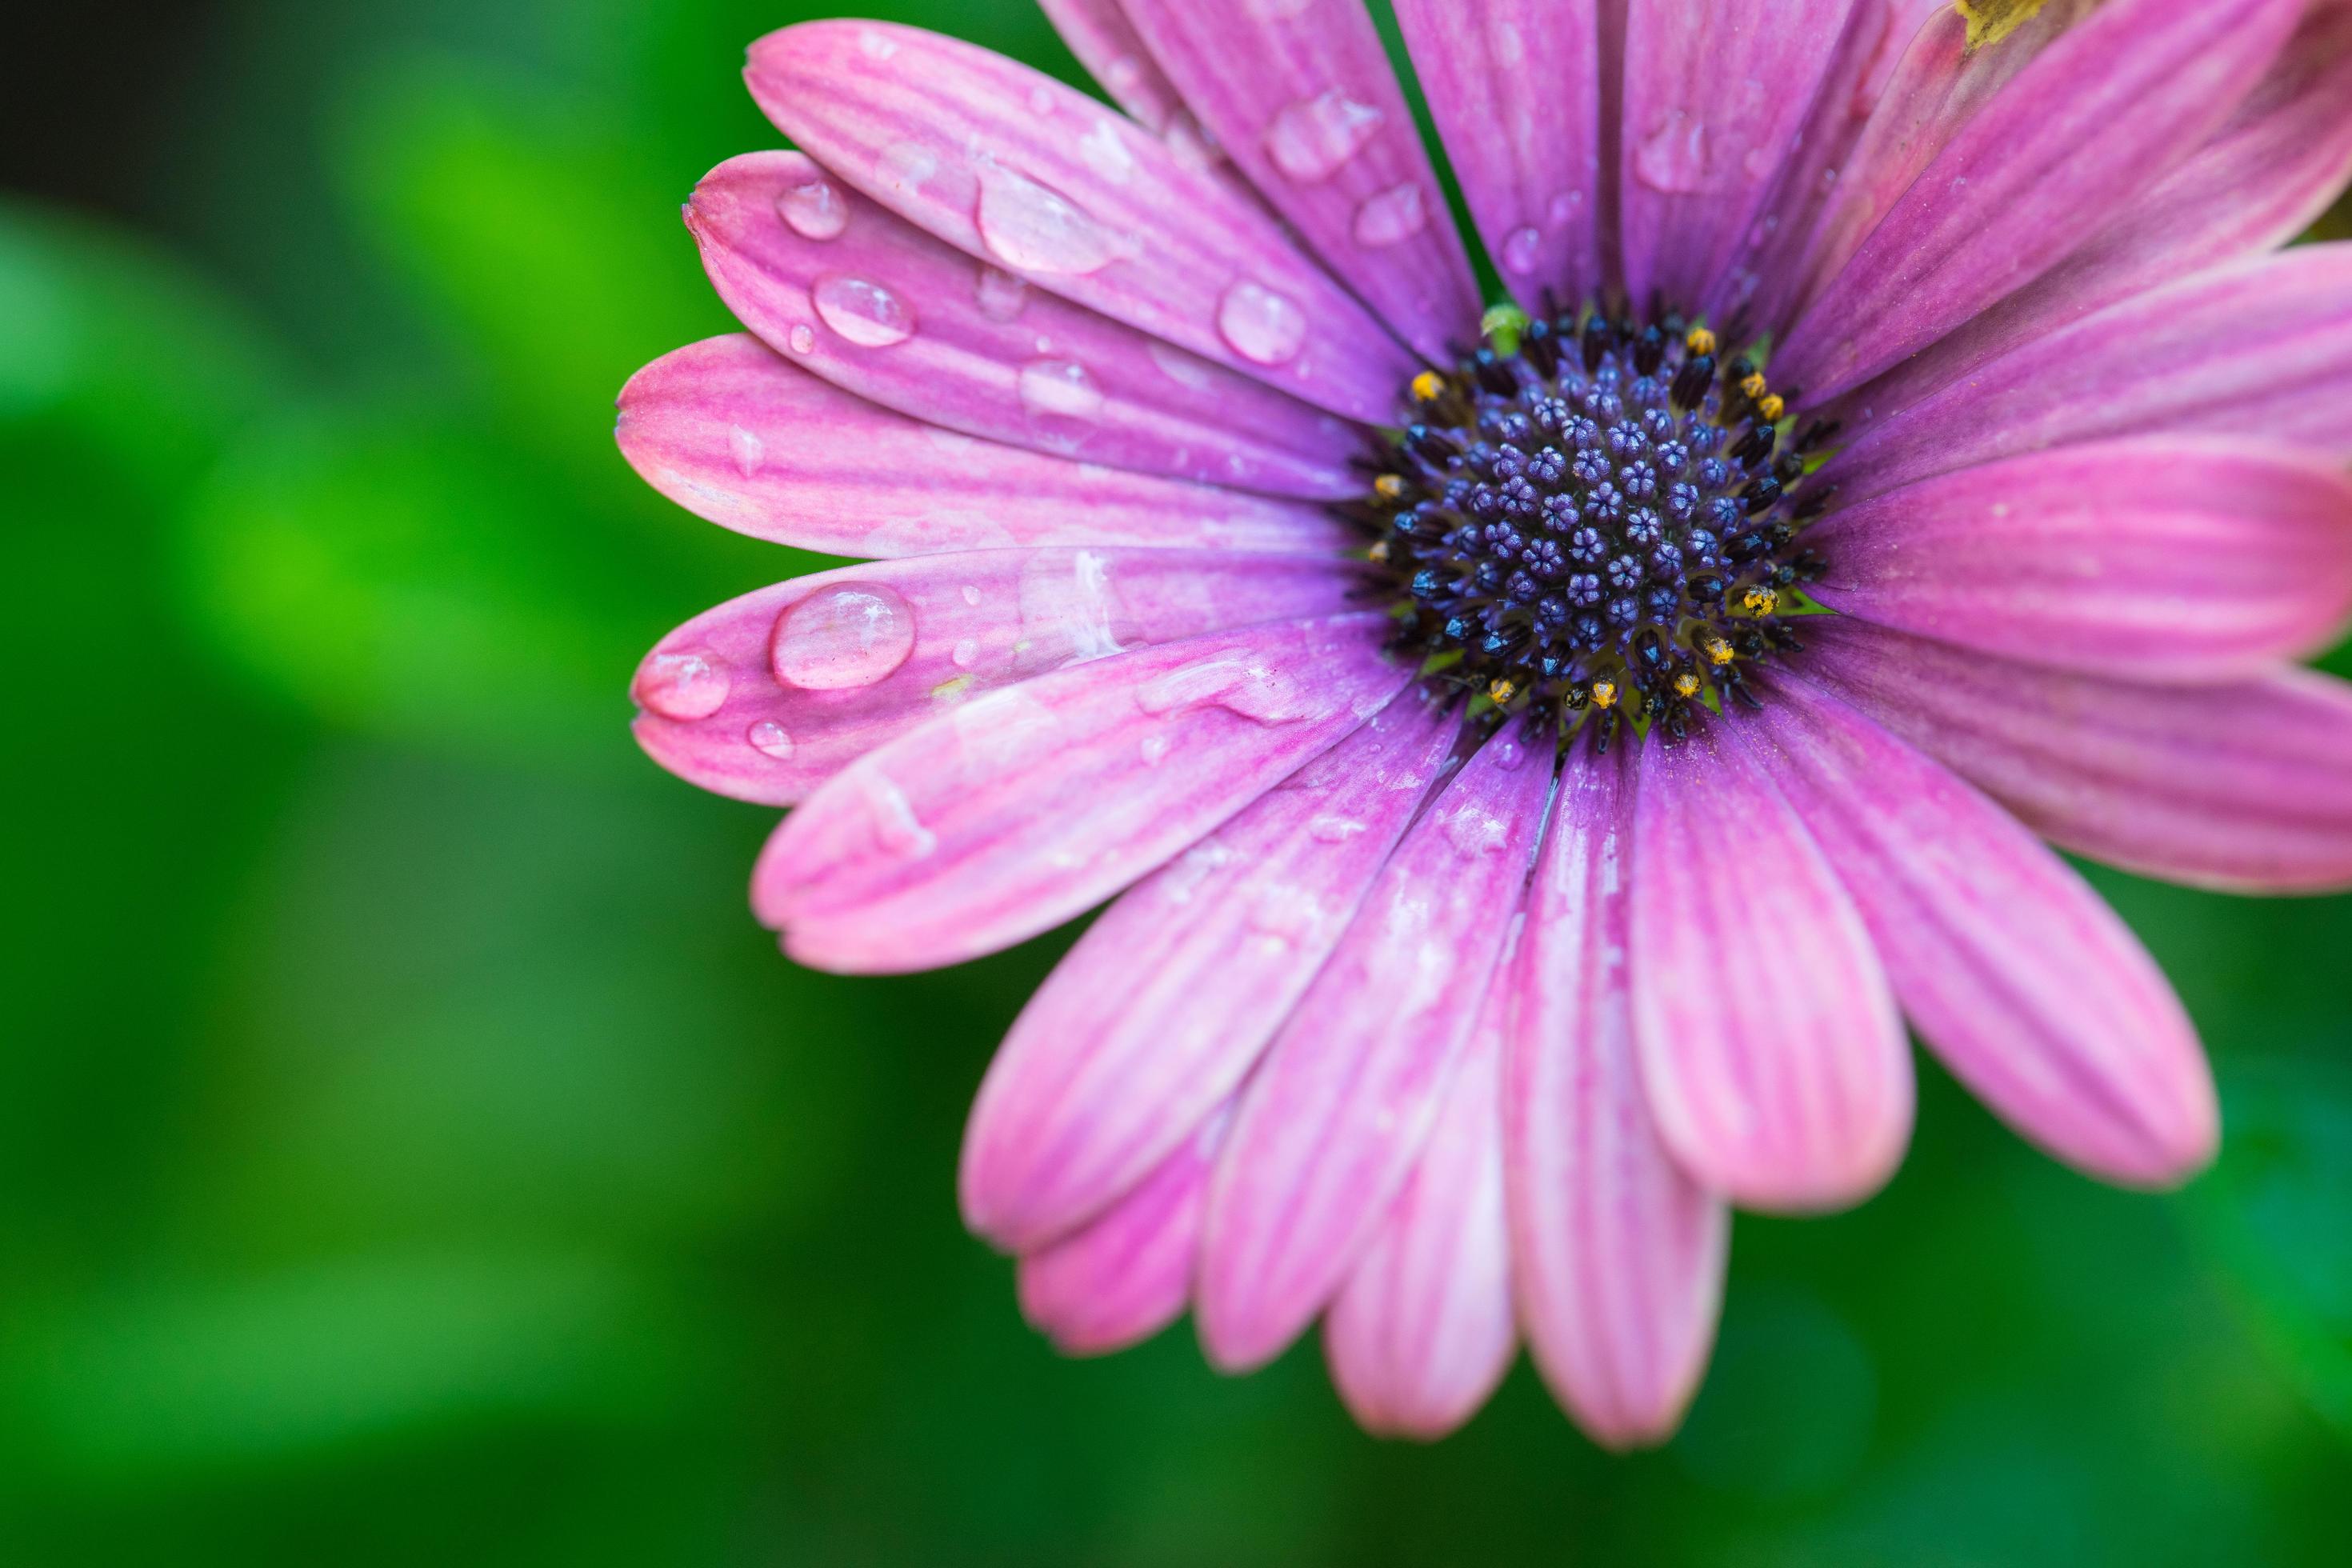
<point>1124,1277</point>
<point>1169,999</point>
<point>1114,54</point>
<point>2013,970</point>
<point>2246,788</point>
<point>1619,1254</point>
<point>1515,89</point>
<point>895,316</point>
<point>2157,559</point>
<point>824,668</point>
<point>2088,126</point>
<point>2259,349</point>
<point>2257,183</point>
<point>1016,811</point>
<point>1771,1054</point>
<point>1011,167</point>
<point>1713,97</point>
<point>1305,104</point>
<point>1422,1331</point>
<point>1348,1092</point>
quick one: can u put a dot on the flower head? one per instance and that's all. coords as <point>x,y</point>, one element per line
<point>1539,772</point>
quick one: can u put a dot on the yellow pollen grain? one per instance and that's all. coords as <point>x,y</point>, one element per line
<point>1700,341</point>
<point>1687,684</point>
<point>1718,651</point>
<point>1760,601</point>
<point>1991,21</point>
<point>1428,386</point>
<point>1501,691</point>
<point>1770,406</point>
<point>1754,387</point>
<point>1389,486</point>
<point>1379,553</point>
<point>1605,694</point>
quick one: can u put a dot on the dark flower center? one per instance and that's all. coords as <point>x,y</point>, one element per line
<point>1599,527</point>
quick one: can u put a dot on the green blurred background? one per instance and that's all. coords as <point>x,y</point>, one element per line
<point>412,1151</point>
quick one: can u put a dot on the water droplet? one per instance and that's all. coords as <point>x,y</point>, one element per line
<point>1183,369</point>
<point>875,44</point>
<point>814,208</point>
<point>768,738</point>
<point>1391,217</point>
<point>1522,249</point>
<point>1234,681</point>
<point>1190,142</point>
<point>803,338</point>
<point>904,165</point>
<point>1563,205</point>
<point>1678,158</point>
<point>1000,295</point>
<point>966,653</point>
<point>849,634</point>
<point>1154,749</point>
<point>1474,830</point>
<point>1278,10</point>
<point>1060,389</point>
<point>1334,829</point>
<point>1262,325</point>
<point>1041,101</point>
<point>1071,608</point>
<point>866,313</point>
<point>1509,44</point>
<point>1106,151</point>
<point>1033,230</point>
<point>971,595</point>
<point>1122,74</point>
<point>897,828</point>
<point>1310,139</point>
<point>749,451</point>
<point>683,685</point>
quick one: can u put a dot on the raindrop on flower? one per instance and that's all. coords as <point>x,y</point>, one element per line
<point>849,634</point>
<point>865,313</point>
<point>803,338</point>
<point>1000,295</point>
<point>748,450</point>
<point>1391,217</point>
<point>1262,325</point>
<point>814,208</point>
<point>1060,389</point>
<point>906,166</point>
<point>1313,137</point>
<point>1522,249</point>
<point>683,685</point>
<point>1033,230</point>
<point>768,738</point>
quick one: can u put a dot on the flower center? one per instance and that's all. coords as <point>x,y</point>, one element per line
<point>1597,528</point>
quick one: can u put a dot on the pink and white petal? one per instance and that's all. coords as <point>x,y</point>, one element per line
<point>2259,182</point>
<point>1167,1001</point>
<point>1714,97</point>
<point>2167,559</point>
<point>1422,1331</point>
<point>1771,1055</point>
<point>1346,1096</point>
<point>1013,168</point>
<point>1126,1276</point>
<point>1013,812</point>
<point>2259,349</point>
<point>1515,89</point>
<point>2088,126</point>
<point>1304,102</point>
<point>1114,54</point>
<point>2245,788</point>
<point>1618,1254</point>
<point>735,433</point>
<point>2014,972</point>
<point>882,309</point>
<point>824,668</point>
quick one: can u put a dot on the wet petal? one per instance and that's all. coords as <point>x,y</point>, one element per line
<point>1114,54</point>
<point>1016,811</point>
<point>1422,1331</point>
<point>1346,1096</point>
<point>1771,1054</point>
<point>824,668</point>
<point>2017,975</point>
<point>1515,89</point>
<point>895,316</point>
<point>1125,1276</point>
<point>1304,102</point>
<point>1013,168</point>
<point>1618,1254</point>
<point>2159,559</point>
<point>2260,349</point>
<point>1169,999</point>
<point>1714,97</point>
<point>2245,788</point>
<point>2088,126</point>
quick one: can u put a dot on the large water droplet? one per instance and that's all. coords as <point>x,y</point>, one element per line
<point>1680,157</point>
<point>1106,151</point>
<point>849,634</point>
<point>1060,389</point>
<point>1183,369</point>
<point>1391,217</point>
<point>1262,325</point>
<point>1234,681</point>
<point>683,685</point>
<point>897,828</point>
<point>1070,606</point>
<point>814,208</point>
<point>1474,830</point>
<point>748,450</point>
<point>1033,230</point>
<point>768,738</point>
<point>1310,139</point>
<point>1000,295</point>
<point>866,313</point>
<point>906,166</point>
<point>1522,249</point>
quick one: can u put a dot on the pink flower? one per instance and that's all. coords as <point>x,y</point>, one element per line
<point>1542,779</point>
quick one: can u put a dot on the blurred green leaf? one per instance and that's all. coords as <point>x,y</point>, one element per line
<point>1787,1405</point>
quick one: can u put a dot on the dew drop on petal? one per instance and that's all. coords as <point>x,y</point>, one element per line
<point>1261,325</point>
<point>1234,681</point>
<point>1278,10</point>
<point>1522,249</point>
<point>803,338</point>
<point>897,829</point>
<point>1106,151</point>
<point>971,595</point>
<point>875,45</point>
<point>1391,217</point>
<point>1122,74</point>
<point>1060,389</point>
<point>814,208</point>
<point>1334,829</point>
<point>865,313</point>
<point>966,653</point>
<point>849,634</point>
<point>1474,830</point>
<point>683,685</point>
<point>1184,369</point>
<point>1154,749</point>
<point>768,738</point>
<point>1000,295</point>
<point>1674,158</point>
<point>748,450</point>
<point>906,166</point>
<point>1033,230</point>
<point>1312,138</point>
<point>1190,142</point>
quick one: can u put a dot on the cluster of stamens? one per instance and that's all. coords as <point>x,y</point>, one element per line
<point>1599,527</point>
